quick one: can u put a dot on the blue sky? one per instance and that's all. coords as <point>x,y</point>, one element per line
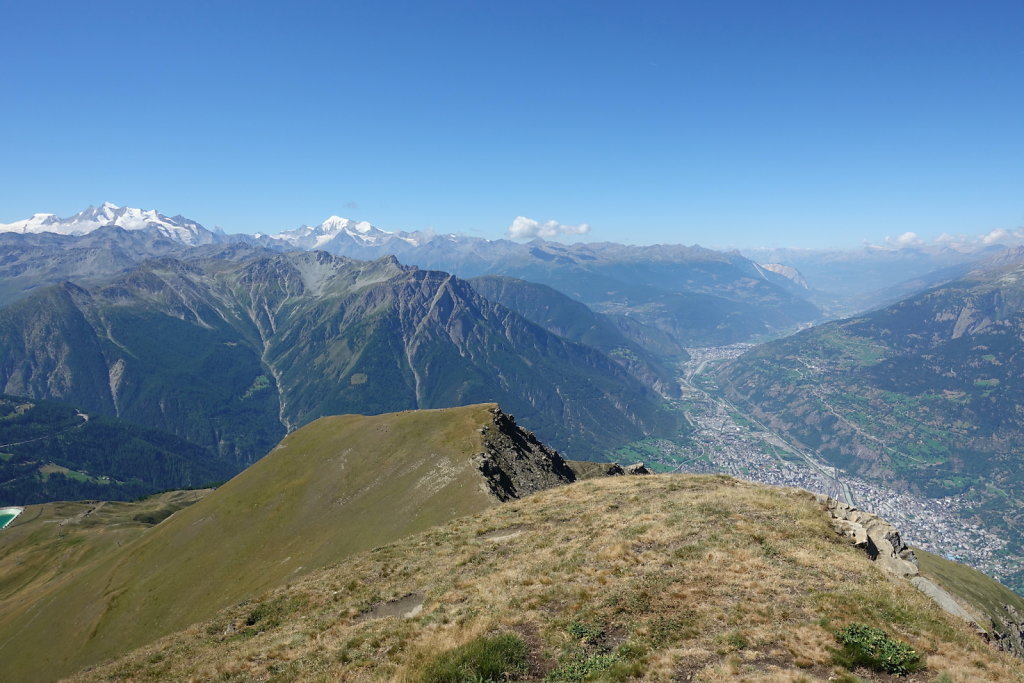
<point>819,123</point>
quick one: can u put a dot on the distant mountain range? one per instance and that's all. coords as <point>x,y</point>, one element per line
<point>847,281</point>
<point>698,296</point>
<point>91,219</point>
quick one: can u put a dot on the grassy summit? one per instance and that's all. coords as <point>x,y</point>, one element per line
<point>658,578</point>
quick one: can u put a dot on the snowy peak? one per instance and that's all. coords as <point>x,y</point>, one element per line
<point>179,229</point>
<point>341,229</point>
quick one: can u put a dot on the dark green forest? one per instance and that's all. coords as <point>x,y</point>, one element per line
<point>49,451</point>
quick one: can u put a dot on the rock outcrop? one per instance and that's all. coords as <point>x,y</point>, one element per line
<point>879,539</point>
<point>1009,635</point>
<point>516,463</point>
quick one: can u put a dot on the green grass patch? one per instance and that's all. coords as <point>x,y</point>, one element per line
<point>259,384</point>
<point>487,658</point>
<point>270,614</point>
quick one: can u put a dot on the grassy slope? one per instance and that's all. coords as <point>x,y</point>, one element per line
<point>46,541</point>
<point>336,487</point>
<point>985,595</point>
<point>656,577</point>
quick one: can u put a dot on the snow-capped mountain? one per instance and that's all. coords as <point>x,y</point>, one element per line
<point>337,229</point>
<point>177,228</point>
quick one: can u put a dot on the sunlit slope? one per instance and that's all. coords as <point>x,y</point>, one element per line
<point>47,542</point>
<point>335,487</point>
<point>660,578</point>
<point>981,595</point>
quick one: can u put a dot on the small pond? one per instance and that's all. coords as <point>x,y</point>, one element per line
<point>7,515</point>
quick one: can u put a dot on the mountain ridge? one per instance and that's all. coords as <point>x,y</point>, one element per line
<point>298,335</point>
<point>736,298</point>
<point>701,577</point>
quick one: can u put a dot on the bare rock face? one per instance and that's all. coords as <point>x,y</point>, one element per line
<point>944,599</point>
<point>516,463</point>
<point>788,272</point>
<point>1009,635</point>
<point>879,539</point>
<point>616,470</point>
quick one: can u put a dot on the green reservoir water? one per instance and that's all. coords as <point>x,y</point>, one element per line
<point>7,516</point>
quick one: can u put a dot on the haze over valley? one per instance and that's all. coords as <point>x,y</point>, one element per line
<point>466,342</point>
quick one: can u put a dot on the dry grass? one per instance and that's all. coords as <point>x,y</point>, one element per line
<point>655,578</point>
<point>338,486</point>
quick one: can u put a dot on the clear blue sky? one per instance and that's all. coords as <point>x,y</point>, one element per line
<point>722,123</point>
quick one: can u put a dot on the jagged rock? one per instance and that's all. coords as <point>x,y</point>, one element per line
<point>615,469</point>
<point>879,539</point>
<point>1008,636</point>
<point>516,464</point>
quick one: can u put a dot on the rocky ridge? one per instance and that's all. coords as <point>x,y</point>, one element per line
<point>515,463</point>
<point>880,540</point>
<point>1009,636</point>
<point>882,543</point>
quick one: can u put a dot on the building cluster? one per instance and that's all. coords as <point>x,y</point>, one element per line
<point>726,441</point>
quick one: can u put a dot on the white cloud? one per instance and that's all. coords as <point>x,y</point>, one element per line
<point>1003,236</point>
<point>524,228</point>
<point>907,239</point>
<point>998,236</point>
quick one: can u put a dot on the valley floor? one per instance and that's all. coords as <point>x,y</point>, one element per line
<point>726,440</point>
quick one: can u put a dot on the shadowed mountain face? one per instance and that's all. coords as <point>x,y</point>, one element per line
<point>231,354</point>
<point>50,451</point>
<point>697,295</point>
<point>926,392</point>
<point>573,320</point>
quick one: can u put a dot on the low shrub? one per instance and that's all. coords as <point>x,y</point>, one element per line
<point>873,648</point>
